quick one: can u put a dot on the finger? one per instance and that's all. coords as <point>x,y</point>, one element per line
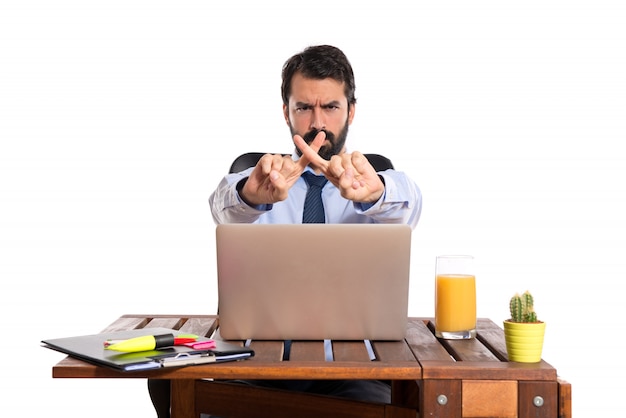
<point>269,162</point>
<point>317,142</point>
<point>337,165</point>
<point>276,180</point>
<point>360,163</point>
<point>310,152</point>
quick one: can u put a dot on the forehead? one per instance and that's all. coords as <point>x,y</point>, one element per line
<point>310,90</point>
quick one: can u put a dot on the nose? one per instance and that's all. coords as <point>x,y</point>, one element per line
<point>317,119</point>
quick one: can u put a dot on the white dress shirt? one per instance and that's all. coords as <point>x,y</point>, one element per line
<point>401,202</point>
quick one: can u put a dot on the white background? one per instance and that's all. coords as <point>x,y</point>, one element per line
<point>118,118</point>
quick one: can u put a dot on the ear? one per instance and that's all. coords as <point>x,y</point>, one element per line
<point>351,111</point>
<point>286,114</point>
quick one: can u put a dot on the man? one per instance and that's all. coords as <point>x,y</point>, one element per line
<point>319,105</point>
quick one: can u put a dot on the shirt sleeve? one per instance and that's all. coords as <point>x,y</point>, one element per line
<point>400,203</point>
<point>228,207</point>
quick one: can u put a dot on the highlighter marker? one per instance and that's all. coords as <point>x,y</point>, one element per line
<point>145,343</point>
<point>182,339</point>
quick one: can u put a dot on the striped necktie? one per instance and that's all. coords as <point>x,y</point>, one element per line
<point>313,207</point>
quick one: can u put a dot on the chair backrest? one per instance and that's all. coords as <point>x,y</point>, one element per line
<point>249,159</point>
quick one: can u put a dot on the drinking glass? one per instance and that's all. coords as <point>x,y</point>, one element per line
<point>455,297</point>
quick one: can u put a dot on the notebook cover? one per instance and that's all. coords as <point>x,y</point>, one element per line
<point>90,348</point>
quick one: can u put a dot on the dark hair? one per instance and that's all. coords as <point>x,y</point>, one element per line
<point>319,62</point>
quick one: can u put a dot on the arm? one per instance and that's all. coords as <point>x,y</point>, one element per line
<point>401,201</point>
<point>351,173</point>
<point>386,197</point>
<point>243,197</point>
<point>228,207</point>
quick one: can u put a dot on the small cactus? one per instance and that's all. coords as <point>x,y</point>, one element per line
<point>521,307</point>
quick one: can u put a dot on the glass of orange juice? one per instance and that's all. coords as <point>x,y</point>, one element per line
<point>455,297</point>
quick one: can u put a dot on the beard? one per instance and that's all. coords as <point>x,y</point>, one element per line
<point>334,145</point>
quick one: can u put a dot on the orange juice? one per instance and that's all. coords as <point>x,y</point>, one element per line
<point>455,303</point>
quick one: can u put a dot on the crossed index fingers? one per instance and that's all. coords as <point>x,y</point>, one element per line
<point>310,152</point>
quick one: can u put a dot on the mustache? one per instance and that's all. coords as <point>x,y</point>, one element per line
<point>310,136</point>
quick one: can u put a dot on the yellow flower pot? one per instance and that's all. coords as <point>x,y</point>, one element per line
<point>524,341</point>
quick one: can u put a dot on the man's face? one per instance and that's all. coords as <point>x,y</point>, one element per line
<point>319,105</point>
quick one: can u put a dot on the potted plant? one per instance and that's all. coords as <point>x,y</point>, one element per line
<point>523,332</point>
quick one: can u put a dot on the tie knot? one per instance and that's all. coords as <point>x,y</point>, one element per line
<point>313,180</point>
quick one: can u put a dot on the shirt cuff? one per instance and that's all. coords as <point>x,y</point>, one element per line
<point>264,207</point>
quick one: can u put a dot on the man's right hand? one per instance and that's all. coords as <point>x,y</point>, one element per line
<point>274,175</point>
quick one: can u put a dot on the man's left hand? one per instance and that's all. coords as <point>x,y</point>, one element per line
<point>351,173</point>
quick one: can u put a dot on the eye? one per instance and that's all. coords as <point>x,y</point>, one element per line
<point>302,109</point>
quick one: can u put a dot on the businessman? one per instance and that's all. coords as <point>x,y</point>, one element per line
<point>319,105</point>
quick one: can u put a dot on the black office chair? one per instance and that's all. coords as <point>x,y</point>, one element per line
<point>249,159</point>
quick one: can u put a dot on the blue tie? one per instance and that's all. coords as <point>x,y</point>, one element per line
<point>313,207</point>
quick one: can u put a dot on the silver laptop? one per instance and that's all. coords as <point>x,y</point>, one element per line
<point>313,281</point>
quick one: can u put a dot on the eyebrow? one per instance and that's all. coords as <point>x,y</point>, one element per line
<point>331,103</point>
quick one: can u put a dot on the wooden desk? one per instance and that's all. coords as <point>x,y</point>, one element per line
<point>439,378</point>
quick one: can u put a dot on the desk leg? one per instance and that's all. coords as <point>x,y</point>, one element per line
<point>183,398</point>
<point>565,399</point>
<point>405,393</point>
<point>440,398</point>
<point>538,399</point>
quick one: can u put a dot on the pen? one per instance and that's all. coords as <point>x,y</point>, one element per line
<point>148,342</point>
<point>185,359</point>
